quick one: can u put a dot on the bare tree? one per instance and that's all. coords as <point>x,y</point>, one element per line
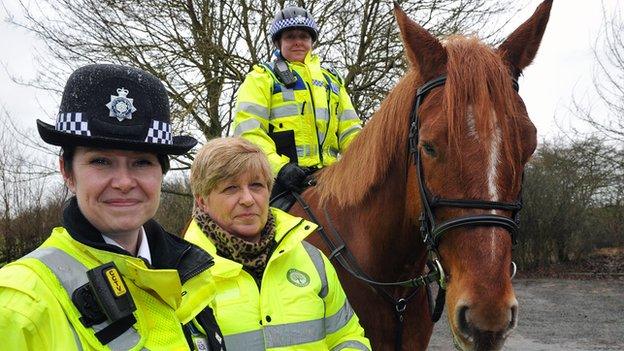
<point>202,49</point>
<point>608,80</point>
<point>29,208</point>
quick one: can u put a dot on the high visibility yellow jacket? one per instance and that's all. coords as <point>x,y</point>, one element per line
<point>317,113</point>
<point>300,305</point>
<point>37,313</point>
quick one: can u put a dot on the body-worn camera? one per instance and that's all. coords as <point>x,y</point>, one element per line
<point>284,73</point>
<point>105,298</point>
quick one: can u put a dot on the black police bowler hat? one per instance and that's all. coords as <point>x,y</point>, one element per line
<point>115,107</point>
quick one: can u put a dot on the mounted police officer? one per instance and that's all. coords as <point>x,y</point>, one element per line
<point>111,278</point>
<point>298,112</point>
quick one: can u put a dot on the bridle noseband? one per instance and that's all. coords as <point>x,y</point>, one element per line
<point>431,232</point>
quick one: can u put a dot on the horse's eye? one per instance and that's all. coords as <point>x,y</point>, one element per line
<point>429,149</point>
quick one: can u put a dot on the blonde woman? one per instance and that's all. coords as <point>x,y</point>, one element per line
<point>274,290</point>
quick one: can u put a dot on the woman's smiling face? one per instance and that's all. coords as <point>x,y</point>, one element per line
<point>295,44</point>
<point>117,191</point>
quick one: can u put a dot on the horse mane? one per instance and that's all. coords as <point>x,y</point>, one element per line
<point>368,158</point>
<point>476,77</point>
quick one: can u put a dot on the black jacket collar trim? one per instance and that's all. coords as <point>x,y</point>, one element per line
<point>168,251</point>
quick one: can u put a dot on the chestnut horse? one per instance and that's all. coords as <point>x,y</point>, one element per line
<point>460,165</point>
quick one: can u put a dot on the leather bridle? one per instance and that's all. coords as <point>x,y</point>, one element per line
<point>431,231</point>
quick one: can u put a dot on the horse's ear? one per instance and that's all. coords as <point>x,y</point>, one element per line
<point>519,49</point>
<point>423,50</point>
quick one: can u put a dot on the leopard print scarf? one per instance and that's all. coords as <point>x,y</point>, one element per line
<point>253,256</point>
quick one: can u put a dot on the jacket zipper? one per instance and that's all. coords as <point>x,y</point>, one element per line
<point>328,91</point>
<point>277,243</point>
<point>318,142</point>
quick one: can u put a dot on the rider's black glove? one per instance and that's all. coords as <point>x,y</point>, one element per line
<point>291,176</point>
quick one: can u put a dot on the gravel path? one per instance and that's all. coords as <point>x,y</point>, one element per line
<point>560,315</point>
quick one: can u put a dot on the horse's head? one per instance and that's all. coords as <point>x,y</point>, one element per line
<point>472,140</point>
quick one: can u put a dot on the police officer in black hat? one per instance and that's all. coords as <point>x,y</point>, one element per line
<point>111,277</point>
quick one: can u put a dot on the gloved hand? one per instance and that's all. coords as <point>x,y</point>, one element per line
<point>291,176</point>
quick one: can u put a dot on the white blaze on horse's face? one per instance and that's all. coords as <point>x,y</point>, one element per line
<point>495,143</point>
<point>472,127</point>
<point>494,153</point>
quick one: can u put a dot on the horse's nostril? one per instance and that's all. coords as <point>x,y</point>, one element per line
<point>462,322</point>
<point>514,318</point>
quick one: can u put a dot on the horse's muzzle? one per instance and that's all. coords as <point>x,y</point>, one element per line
<point>480,330</point>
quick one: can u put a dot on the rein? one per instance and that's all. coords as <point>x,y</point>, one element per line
<point>341,253</point>
<point>430,231</point>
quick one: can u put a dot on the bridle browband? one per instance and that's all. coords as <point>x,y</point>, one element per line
<point>431,232</point>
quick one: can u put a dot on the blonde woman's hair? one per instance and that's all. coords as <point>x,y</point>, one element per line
<point>223,158</point>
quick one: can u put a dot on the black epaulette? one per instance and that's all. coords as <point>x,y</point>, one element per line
<point>334,73</point>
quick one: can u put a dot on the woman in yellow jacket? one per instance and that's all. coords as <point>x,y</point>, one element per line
<point>274,290</point>
<point>110,278</point>
<point>298,112</point>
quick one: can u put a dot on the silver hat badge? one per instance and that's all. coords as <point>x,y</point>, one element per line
<point>121,106</point>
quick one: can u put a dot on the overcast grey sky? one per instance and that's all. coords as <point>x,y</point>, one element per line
<point>563,67</point>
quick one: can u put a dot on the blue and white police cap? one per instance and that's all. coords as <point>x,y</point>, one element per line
<point>290,18</point>
<point>115,107</point>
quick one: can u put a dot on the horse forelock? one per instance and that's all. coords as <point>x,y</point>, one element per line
<point>383,140</point>
<point>479,83</point>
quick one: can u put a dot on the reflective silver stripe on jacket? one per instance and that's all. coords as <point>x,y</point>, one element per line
<point>333,152</point>
<point>322,114</point>
<point>76,338</point>
<point>321,137</point>
<point>294,333</point>
<point>284,335</point>
<point>348,115</point>
<point>319,264</point>
<point>285,111</point>
<point>339,319</point>
<point>72,275</point>
<point>250,341</point>
<point>345,313</point>
<point>288,94</point>
<point>352,344</point>
<point>246,126</point>
<point>290,334</point>
<point>277,336</point>
<point>306,150</point>
<point>254,109</point>
<point>349,131</point>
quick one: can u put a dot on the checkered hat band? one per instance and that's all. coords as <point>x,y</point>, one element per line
<point>293,22</point>
<point>71,122</point>
<point>159,133</point>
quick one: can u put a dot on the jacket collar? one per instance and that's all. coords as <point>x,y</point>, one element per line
<point>285,235</point>
<point>310,58</point>
<point>168,251</point>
